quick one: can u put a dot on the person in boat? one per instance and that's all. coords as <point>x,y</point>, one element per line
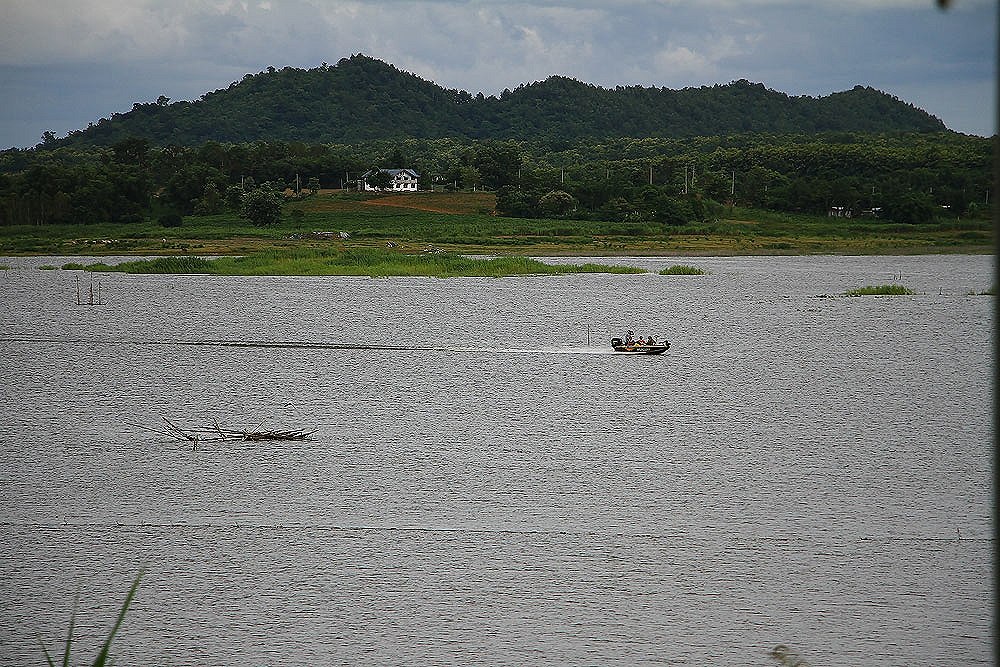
<point>650,341</point>
<point>629,340</point>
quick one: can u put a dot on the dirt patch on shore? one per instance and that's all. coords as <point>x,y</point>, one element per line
<point>458,203</point>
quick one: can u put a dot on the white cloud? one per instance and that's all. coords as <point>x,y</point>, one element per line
<point>184,48</point>
<point>680,61</point>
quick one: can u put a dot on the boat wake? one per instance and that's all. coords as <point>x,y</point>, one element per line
<point>314,345</point>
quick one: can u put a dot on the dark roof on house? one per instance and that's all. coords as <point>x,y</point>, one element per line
<point>393,172</point>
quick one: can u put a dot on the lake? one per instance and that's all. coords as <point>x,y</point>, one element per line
<point>800,468</point>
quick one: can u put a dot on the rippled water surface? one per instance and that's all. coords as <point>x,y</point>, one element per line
<point>799,468</point>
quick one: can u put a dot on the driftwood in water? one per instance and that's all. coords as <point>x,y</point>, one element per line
<point>215,433</point>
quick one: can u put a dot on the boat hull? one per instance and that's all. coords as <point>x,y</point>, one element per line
<point>645,349</point>
<point>658,348</point>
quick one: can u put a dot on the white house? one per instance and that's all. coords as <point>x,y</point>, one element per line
<point>403,180</point>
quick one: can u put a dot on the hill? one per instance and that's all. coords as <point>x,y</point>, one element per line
<point>363,99</point>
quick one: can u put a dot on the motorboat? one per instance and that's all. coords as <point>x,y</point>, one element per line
<point>639,346</point>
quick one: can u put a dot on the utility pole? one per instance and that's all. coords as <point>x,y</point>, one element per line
<point>732,190</point>
<point>650,174</point>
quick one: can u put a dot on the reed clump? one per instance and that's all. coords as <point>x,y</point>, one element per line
<point>682,270</point>
<point>880,290</point>
<point>355,262</point>
<point>156,265</point>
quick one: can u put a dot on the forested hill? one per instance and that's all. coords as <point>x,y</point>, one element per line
<point>362,99</point>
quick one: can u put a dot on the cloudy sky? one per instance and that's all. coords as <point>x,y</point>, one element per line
<point>65,63</point>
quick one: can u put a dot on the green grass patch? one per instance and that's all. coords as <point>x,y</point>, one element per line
<point>682,270</point>
<point>463,222</point>
<point>880,290</point>
<point>157,265</point>
<point>354,262</point>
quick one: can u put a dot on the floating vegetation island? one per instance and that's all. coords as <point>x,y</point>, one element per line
<point>682,270</point>
<point>880,290</point>
<point>354,262</point>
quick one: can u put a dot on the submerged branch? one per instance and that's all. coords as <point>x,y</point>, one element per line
<point>217,433</point>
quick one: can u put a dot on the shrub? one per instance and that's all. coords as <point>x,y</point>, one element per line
<point>172,219</point>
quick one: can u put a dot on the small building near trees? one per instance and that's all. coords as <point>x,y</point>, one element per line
<point>389,180</point>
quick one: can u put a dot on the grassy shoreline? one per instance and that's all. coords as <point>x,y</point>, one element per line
<point>462,223</point>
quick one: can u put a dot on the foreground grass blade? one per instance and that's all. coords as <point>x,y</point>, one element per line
<point>69,634</point>
<point>102,658</point>
<point>69,638</point>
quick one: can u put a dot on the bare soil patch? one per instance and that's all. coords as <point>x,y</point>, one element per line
<point>440,202</point>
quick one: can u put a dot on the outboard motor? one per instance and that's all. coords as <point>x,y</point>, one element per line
<point>616,342</point>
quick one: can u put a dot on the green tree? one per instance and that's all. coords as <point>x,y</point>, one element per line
<point>497,163</point>
<point>233,199</point>
<point>378,179</point>
<point>210,201</point>
<point>616,209</point>
<point>752,187</point>
<point>715,185</point>
<point>654,204</point>
<point>911,208</point>
<point>515,202</point>
<point>183,190</point>
<point>469,178</point>
<point>262,206</point>
<point>131,151</point>
<point>556,203</point>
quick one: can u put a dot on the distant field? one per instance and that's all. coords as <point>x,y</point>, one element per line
<point>464,222</point>
<point>441,202</point>
<point>454,203</point>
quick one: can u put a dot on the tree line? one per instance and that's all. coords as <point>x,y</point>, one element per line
<point>905,177</point>
<point>363,99</point>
